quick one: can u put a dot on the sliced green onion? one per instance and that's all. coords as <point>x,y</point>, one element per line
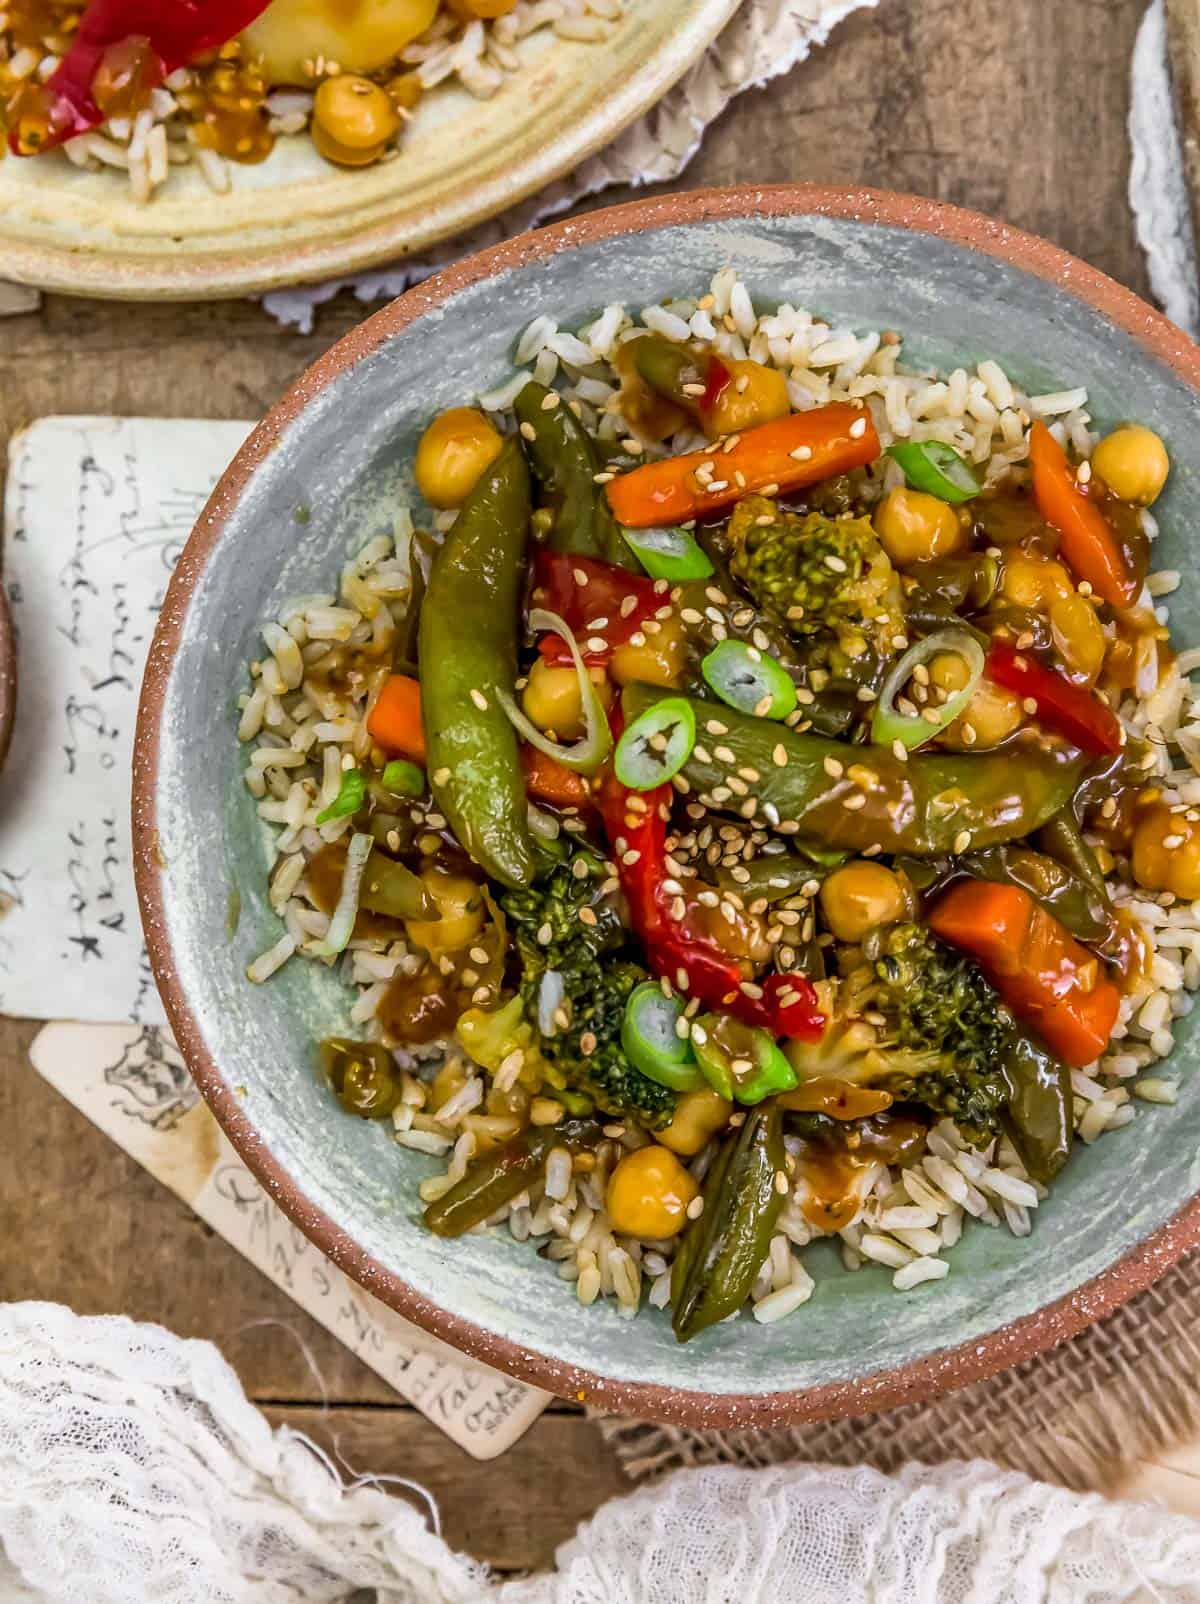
<point>352,793</point>
<point>587,754</point>
<point>745,678</point>
<point>652,1042</point>
<point>656,745</point>
<point>341,926</point>
<point>402,778</point>
<point>936,469</point>
<point>914,729</point>
<point>668,553</point>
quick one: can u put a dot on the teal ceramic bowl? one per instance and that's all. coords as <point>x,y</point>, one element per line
<point>340,444</point>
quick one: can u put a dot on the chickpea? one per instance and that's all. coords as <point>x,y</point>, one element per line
<point>1133,463</point>
<point>648,1194</point>
<point>1166,852</point>
<point>658,662</point>
<point>915,528</point>
<point>1078,637</point>
<point>552,701</point>
<point>948,671</point>
<point>1035,582</point>
<point>460,903</point>
<point>455,450</point>
<point>697,1119</point>
<point>353,120</point>
<point>991,716</point>
<point>761,399</point>
<point>861,896</point>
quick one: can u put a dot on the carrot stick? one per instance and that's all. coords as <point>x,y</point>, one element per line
<point>553,782</point>
<point>394,723</point>
<point>1087,540</point>
<point>791,452</point>
<point>1052,983</point>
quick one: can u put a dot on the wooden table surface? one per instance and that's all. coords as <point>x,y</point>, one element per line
<point>1018,110</point>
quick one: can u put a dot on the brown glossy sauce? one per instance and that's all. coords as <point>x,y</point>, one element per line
<point>229,107</point>
<point>127,73</point>
<point>831,1168</point>
<point>1008,517</point>
<point>1134,625</point>
<point>650,414</point>
<point>325,871</point>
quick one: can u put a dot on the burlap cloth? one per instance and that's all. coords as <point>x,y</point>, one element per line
<point>1080,1415</point>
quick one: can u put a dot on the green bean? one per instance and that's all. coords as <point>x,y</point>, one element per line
<point>468,647</point>
<point>724,1249</point>
<point>495,1179</point>
<point>565,463</point>
<point>1038,1113</point>
<point>863,796</point>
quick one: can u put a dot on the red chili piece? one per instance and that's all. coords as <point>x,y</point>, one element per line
<point>597,601</point>
<point>175,31</point>
<point>1071,710</point>
<point>716,381</point>
<point>672,948</point>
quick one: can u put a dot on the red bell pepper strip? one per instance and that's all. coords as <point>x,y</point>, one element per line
<point>174,33</point>
<point>690,960</point>
<point>1052,983</point>
<point>717,379</point>
<point>1087,540</point>
<point>548,780</point>
<point>787,454</point>
<point>1070,710</point>
<point>593,608</point>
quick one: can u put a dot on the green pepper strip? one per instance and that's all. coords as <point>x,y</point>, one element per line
<point>468,646</point>
<point>770,879</point>
<point>669,367</point>
<point>495,1179</point>
<point>723,1250</point>
<point>1038,1113</point>
<point>929,805</point>
<point>565,464</point>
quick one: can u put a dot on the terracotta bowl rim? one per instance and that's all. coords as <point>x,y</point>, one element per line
<point>922,1378</point>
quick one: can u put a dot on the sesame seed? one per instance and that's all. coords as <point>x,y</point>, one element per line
<point>696,1207</point>
<point>1029,704</point>
<point>681,978</point>
<point>630,858</point>
<point>723,754</point>
<point>693,389</point>
<point>858,428</point>
<point>781,1182</point>
<point>962,841</point>
<point>721,484</point>
<point>1084,473</point>
<point>587,916</point>
<point>528,431</point>
<point>858,800</point>
<point>481,994</point>
<point>480,700</point>
<point>1084,587</point>
<point>603,478</point>
<point>833,768</point>
<point>969,735</point>
<point>545,934</point>
<point>596,643</point>
<point>779,757</point>
<point>587,1043</point>
<point>801,453</point>
<point>899,751</point>
<point>551,401</point>
<point>1173,841</point>
<point>836,563</point>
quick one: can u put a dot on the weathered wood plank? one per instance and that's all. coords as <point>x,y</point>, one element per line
<point>1183,42</point>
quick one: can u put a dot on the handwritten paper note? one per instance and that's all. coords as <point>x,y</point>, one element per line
<point>131,1081</point>
<point>96,513</point>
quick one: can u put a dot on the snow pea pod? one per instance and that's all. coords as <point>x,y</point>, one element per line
<point>495,1179</point>
<point>468,647</point>
<point>564,462</point>
<point>1038,1113</point>
<point>864,796</point>
<point>723,1250</point>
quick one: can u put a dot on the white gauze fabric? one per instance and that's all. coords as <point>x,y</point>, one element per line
<point>762,40</point>
<point>133,1470</point>
<point>1158,190</point>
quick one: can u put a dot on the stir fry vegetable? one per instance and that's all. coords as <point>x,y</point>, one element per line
<point>749,820</point>
<point>856,797</point>
<point>469,650</point>
<point>782,456</point>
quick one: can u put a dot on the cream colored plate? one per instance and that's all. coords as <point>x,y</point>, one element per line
<point>296,218</point>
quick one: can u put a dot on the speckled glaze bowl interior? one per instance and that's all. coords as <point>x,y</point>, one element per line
<point>339,446</point>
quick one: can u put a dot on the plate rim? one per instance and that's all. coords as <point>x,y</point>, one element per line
<point>76,269</point>
<point>922,1378</point>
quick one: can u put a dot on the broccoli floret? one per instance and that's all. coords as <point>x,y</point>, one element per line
<point>822,576</point>
<point>562,926</point>
<point>936,1003</point>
